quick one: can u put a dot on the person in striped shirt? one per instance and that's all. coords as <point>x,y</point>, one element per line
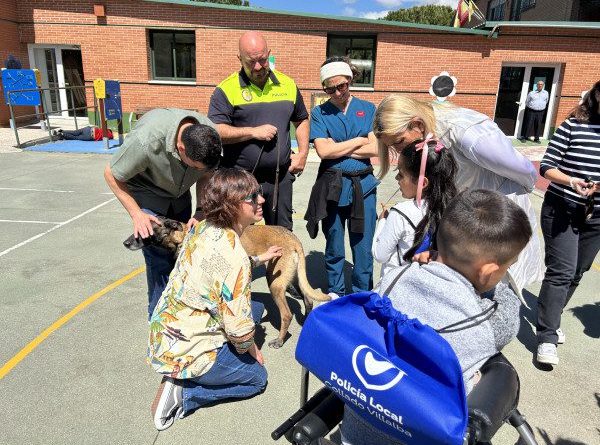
<point>570,218</point>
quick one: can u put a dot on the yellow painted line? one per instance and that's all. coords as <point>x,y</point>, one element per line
<point>596,266</point>
<point>9,365</point>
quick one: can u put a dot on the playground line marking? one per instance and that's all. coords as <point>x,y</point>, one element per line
<point>9,365</point>
<point>14,189</point>
<point>27,222</point>
<point>59,225</point>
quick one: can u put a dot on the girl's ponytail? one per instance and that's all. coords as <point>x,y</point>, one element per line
<point>440,171</point>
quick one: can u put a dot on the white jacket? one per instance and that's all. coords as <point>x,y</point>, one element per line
<point>487,160</point>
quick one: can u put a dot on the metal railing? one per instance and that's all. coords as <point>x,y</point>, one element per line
<point>42,111</point>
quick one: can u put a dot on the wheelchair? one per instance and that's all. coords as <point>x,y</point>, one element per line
<point>492,402</point>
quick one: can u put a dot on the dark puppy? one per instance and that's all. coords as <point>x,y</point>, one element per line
<point>281,272</point>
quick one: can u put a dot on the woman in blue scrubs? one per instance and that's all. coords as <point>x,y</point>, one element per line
<point>345,190</point>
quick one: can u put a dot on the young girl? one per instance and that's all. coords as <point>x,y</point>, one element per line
<point>409,226</point>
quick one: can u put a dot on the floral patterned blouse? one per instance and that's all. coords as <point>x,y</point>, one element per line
<point>205,304</point>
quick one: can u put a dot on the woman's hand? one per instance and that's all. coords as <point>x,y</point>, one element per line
<point>272,252</point>
<point>425,257</point>
<point>582,187</point>
<point>256,354</point>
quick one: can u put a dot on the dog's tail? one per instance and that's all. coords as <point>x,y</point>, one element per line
<point>305,287</point>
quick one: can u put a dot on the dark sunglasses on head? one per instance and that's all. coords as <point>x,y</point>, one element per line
<point>342,87</point>
<point>253,197</point>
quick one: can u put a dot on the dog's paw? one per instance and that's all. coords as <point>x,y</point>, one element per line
<point>276,344</point>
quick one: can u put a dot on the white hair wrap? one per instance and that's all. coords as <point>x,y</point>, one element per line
<point>335,69</point>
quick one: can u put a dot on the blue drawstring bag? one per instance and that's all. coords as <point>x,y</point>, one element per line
<point>398,374</point>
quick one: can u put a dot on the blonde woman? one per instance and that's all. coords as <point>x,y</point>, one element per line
<point>485,156</point>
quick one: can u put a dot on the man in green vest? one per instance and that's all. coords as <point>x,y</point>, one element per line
<point>167,152</point>
<point>252,109</point>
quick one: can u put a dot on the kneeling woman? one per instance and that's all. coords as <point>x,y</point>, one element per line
<point>202,329</point>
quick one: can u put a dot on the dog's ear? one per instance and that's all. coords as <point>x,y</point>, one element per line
<point>133,243</point>
<point>172,224</point>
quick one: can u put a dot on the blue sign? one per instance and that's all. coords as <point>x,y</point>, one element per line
<point>13,81</point>
<point>112,102</point>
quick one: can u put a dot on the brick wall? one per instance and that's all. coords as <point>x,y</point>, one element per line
<point>10,44</point>
<point>117,48</point>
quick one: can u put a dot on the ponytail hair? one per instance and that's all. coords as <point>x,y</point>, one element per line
<point>440,172</point>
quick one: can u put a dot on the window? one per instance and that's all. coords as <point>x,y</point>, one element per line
<point>360,50</point>
<point>173,55</point>
<point>527,4</point>
<point>495,10</point>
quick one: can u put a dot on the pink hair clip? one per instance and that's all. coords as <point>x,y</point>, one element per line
<point>424,147</point>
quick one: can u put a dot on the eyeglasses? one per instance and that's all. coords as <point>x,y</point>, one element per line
<point>342,88</point>
<point>252,198</point>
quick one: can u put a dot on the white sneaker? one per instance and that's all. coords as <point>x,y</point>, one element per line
<point>168,404</point>
<point>333,295</point>
<point>561,336</point>
<point>546,353</point>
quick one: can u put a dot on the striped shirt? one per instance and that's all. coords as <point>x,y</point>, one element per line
<point>575,151</point>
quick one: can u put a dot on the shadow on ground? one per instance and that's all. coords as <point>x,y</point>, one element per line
<point>526,333</point>
<point>588,315</point>
<point>560,441</point>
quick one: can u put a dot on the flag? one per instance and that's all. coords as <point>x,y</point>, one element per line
<point>468,15</point>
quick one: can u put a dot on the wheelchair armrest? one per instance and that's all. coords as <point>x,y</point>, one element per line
<point>493,399</point>
<point>318,422</point>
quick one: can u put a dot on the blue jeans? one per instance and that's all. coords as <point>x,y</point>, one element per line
<point>160,263</point>
<point>232,376</point>
<point>334,227</point>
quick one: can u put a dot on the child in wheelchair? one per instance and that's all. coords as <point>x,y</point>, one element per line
<point>481,234</point>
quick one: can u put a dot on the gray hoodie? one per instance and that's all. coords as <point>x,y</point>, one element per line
<point>439,296</point>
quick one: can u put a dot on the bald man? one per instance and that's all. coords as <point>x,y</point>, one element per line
<point>252,109</point>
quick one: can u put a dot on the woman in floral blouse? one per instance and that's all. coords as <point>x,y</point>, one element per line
<point>202,329</point>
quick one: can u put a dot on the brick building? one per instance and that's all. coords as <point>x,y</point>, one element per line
<point>532,10</point>
<point>174,52</point>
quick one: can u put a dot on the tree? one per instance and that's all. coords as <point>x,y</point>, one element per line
<point>428,15</point>
<point>228,2</point>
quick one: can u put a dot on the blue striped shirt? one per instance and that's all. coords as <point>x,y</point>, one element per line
<point>574,150</point>
<point>537,100</point>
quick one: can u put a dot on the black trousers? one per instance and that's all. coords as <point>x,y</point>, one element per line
<point>534,123</point>
<point>282,215</point>
<point>572,243</point>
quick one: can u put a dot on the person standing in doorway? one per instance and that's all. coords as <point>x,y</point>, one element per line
<point>536,103</point>
<point>252,109</point>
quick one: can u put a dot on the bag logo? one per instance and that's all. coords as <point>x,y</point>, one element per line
<point>360,113</point>
<point>373,370</point>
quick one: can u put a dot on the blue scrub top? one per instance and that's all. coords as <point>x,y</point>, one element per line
<point>328,121</point>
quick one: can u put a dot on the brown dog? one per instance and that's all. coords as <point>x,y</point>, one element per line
<point>281,272</point>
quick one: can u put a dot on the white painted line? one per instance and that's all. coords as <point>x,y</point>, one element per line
<point>28,222</point>
<point>33,238</point>
<point>36,190</point>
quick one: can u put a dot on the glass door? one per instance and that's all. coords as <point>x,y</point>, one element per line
<point>516,81</point>
<point>509,98</point>
<point>546,75</point>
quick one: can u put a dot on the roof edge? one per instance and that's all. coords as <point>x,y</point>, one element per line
<point>542,24</point>
<point>448,29</point>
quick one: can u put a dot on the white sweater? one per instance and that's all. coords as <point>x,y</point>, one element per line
<point>394,235</point>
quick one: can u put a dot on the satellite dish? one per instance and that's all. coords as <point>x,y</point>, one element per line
<point>443,86</point>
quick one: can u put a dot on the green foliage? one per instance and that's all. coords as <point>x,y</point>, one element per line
<point>227,2</point>
<point>428,15</point>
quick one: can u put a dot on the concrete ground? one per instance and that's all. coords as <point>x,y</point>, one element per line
<point>74,330</point>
